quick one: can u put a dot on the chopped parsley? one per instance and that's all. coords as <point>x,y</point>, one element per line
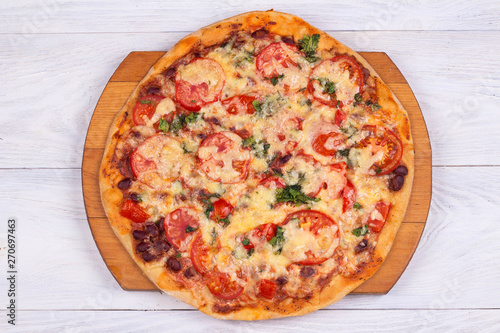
<point>357,98</point>
<point>251,251</point>
<point>377,169</point>
<point>163,125</point>
<point>225,221</point>
<point>259,148</point>
<point>184,148</point>
<point>256,106</point>
<point>343,152</point>
<point>309,45</point>
<point>147,101</point>
<point>274,79</point>
<point>361,231</point>
<point>376,106</point>
<point>328,86</point>
<point>245,242</point>
<point>177,255</point>
<point>294,194</point>
<point>279,238</point>
<point>190,229</point>
<point>181,120</point>
<point>357,205</point>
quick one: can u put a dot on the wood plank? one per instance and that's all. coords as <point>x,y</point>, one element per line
<point>34,17</point>
<point>428,320</point>
<point>133,68</point>
<point>58,98</point>
<point>55,241</point>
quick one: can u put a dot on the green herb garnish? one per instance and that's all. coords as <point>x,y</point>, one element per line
<point>225,221</point>
<point>256,106</point>
<point>328,86</point>
<point>309,45</point>
<point>147,101</point>
<point>163,125</point>
<point>293,193</point>
<point>361,231</point>
<point>177,255</point>
<point>190,229</point>
<point>357,98</point>
<point>357,205</point>
<point>376,106</point>
<point>245,242</point>
<point>259,148</point>
<point>251,251</point>
<point>343,152</point>
<point>274,79</point>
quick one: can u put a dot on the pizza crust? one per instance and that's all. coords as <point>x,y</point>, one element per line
<point>285,25</point>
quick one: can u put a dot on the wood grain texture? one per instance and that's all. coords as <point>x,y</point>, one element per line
<point>58,97</point>
<point>151,16</point>
<point>320,321</point>
<point>130,277</point>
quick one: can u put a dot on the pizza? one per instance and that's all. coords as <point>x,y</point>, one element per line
<point>261,169</point>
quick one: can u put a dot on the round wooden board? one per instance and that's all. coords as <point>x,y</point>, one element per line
<point>125,79</point>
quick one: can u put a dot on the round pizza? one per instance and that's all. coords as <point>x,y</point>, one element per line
<point>261,169</point>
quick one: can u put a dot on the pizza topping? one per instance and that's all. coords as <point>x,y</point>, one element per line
<point>223,159</point>
<point>307,271</point>
<point>363,245</point>
<point>200,256</point>
<point>267,288</point>
<point>348,196</point>
<point>155,161</point>
<point>361,231</point>
<point>134,212</point>
<point>174,264</point>
<point>223,287</point>
<point>241,104</point>
<point>221,210</point>
<point>311,237</point>
<point>198,83</point>
<point>293,194</point>
<point>125,184</point>
<point>275,58</point>
<point>139,234</point>
<point>145,109</point>
<point>376,219</point>
<point>396,183</point>
<point>176,224</point>
<point>336,80</point>
<point>309,45</point>
<point>401,170</point>
<point>385,146</point>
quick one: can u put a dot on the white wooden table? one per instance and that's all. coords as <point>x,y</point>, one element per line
<point>56,56</point>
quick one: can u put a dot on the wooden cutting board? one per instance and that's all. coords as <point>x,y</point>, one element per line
<point>120,86</point>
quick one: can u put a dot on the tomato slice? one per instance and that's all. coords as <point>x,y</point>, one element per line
<point>176,225</point>
<point>198,83</point>
<point>267,288</point>
<point>274,58</point>
<point>134,212</point>
<point>336,81</point>
<point>326,144</point>
<point>156,160</point>
<point>145,108</point>
<point>223,159</point>
<point>222,209</point>
<point>325,140</point>
<point>259,236</point>
<point>382,139</point>
<point>221,286</point>
<point>200,255</point>
<point>340,117</point>
<point>241,104</point>
<point>348,196</point>
<point>378,216</point>
<point>273,181</point>
<point>323,228</point>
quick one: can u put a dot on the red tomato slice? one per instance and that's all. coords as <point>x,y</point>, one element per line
<point>214,155</point>
<point>274,58</point>
<point>222,209</point>
<point>346,76</point>
<point>326,144</point>
<point>348,196</point>
<point>241,104</point>
<point>134,212</point>
<point>146,158</point>
<point>378,216</point>
<point>319,225</point>
<point>273,180</point>
<point>223,287</point>
<point>200,255</point>
<point>340,117</point>
<point>382,139</point>
<point>145,107</point>
<point>176,224</point>
<point>198,83</point>
<point>259,235</point>
<point>267,288</point>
